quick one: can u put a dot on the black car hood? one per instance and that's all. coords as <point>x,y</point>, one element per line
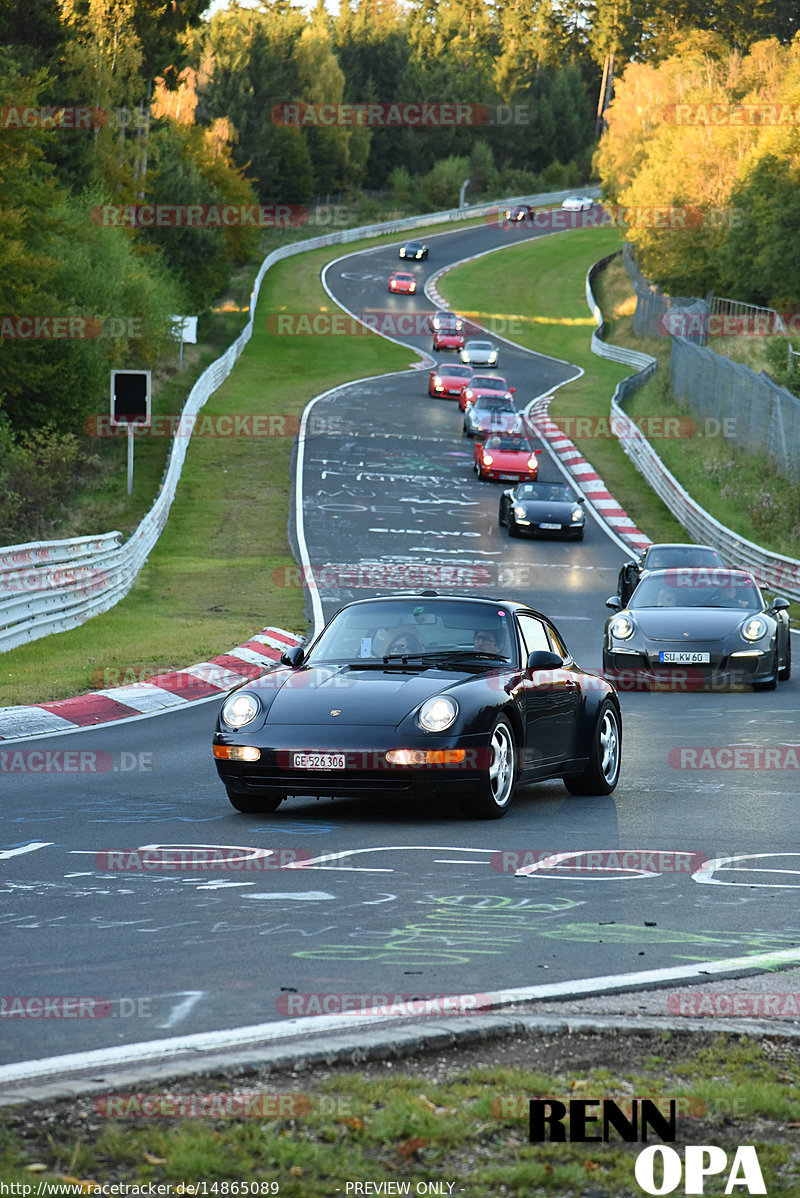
<point>545,509</point>
<point>361,696</point>
<point>701,623</point>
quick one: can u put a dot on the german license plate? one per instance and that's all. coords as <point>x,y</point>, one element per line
<point>686,658</point>
<point>318,761</point>
<point>553,527</point>
<point>510,477</point>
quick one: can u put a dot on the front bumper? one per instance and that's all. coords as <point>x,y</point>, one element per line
<point>366,771</point>
<point>723,670</point>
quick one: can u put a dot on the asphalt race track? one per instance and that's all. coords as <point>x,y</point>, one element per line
<point>397,899</point>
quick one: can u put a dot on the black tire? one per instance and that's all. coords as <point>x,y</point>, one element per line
<point>785,674</point>
<point>500,778</point>
<point>602,771</point>
<point>253,804</point>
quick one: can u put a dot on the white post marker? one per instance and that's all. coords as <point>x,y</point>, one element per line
<point>184,328</point>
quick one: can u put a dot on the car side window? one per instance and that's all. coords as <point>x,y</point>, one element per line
<point>533,634</point>
<point>556,643</point>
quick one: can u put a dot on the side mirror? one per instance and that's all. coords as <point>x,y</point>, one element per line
<point>614,603</point>
<point>538,452</point>
<point>543,659</point>
<point>780,604</point>
<point>513,390</point>
<point>581,499</point>
<point>293,657</point>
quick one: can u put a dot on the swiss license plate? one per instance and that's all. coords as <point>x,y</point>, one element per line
<point>550,526</point>
<point>686,658</point>
<point>318,761</point>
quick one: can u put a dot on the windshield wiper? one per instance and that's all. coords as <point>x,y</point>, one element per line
<point>445,653</point>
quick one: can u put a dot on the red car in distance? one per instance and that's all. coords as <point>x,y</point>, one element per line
<point>483,384</point>
<point>448,339</point>
<point>506,456</point>
<point>443,319</point>
<point>448,380</point>
<point>401,282</point>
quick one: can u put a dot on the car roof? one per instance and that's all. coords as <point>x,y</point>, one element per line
<point>509,604</point>
<point>731,575</point>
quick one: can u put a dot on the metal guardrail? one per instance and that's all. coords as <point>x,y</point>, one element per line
<point>772,570</point>
<point>51,586</point>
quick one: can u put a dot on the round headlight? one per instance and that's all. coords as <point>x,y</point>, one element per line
<point>577,514</point>
<point>622,627</point>
<point>519,511</point>
<point>437,714</point>
<point>242,708</point>
<point>754,628</point>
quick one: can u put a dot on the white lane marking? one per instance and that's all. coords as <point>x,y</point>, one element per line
<point>307,896</point>
<point>316,862</point>
<point>238,1038</point>
<point>555,859</point>
<point>181,1009</point>
<point>25,848</point>
<point>706,874</point>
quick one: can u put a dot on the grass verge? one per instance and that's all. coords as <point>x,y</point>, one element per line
<point>540,287</point>
<point>461,1119</point>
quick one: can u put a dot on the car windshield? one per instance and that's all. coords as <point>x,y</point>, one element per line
<point>457,372</point>
<point>403,277</point>
<point>480,346</point>
<point>417,627</point>
<point>493,403</point>
<point>413,245</point>
<point>696,588</point>
<point>546,492</point>
<point>662,556</point>
<point>486,381</point>
<point>514,444</point>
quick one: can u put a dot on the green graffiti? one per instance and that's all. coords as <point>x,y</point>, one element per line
<point>461,927</point>
<point>624,933</point>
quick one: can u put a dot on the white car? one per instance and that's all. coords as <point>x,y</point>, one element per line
<point>577,203</point>
<point>479,353</point>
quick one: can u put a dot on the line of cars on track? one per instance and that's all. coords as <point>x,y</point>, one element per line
<point>424,693</point>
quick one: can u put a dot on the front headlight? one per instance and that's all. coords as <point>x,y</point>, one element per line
<point>437,382</point>
<point>493,357</point>
<point>240,709</point>
<point>754,628</point>
<point>487,459</point>
<point>437,714</point>
<point>519,511</point>
<point>622,628</point>
<point>577,515</point>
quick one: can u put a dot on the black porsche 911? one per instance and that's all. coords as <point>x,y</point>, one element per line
<point>539,509</point>
<point>413,249</point>
<point>709,624</point>
<point>421,693</point>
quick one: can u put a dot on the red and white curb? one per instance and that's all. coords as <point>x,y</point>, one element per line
<point>590,482</point>
<point>159,693</point>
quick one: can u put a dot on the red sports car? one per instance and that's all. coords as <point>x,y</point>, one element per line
<point>449,379</point>
<point>448,340</point>
<point>506,456</point>
<point>402,282</point>
<point>483,384</point>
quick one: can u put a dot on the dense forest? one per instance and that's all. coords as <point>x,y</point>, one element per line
<point>130,106</point>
